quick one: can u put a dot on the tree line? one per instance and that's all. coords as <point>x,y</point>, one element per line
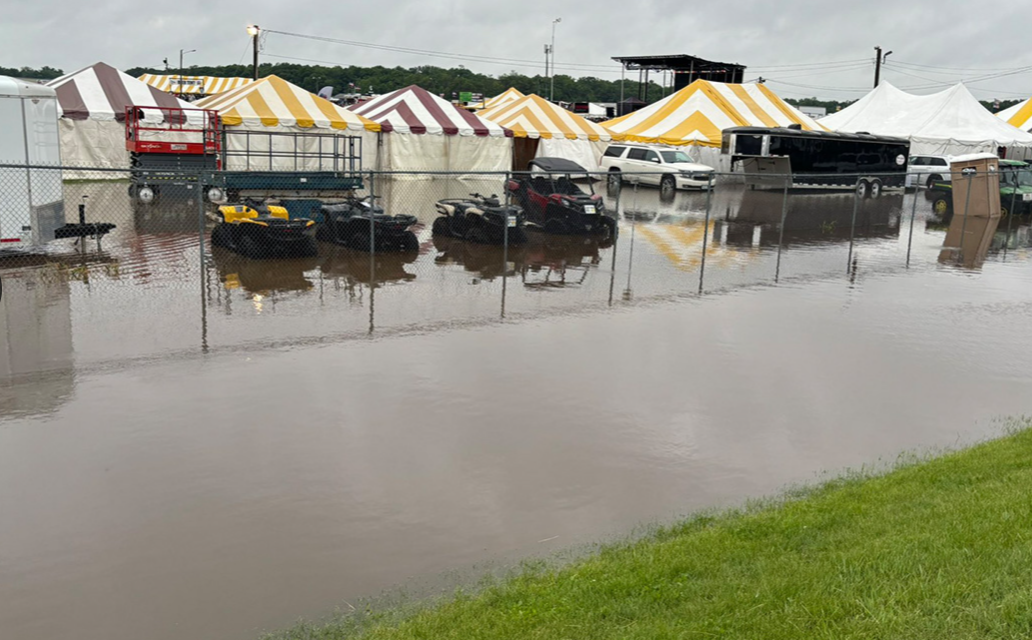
<point>43,73</point>
<point>443,82</point>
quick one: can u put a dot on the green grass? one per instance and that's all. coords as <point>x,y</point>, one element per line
<point>935,549</point>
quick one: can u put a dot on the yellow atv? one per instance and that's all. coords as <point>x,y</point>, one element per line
<point>259,230</point>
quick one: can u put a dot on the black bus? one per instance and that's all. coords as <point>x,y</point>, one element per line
<point>818,158</point>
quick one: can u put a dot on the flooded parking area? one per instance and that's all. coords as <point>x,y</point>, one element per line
<point>197,444</point>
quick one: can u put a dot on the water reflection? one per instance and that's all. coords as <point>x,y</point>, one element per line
<point>969,239</point>
<point>262,277</point>
<point>36,361</point>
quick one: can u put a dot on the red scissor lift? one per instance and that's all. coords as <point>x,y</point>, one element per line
<point>169,147</point>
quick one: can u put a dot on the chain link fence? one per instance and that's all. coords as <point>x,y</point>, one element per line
<point>175,259</point>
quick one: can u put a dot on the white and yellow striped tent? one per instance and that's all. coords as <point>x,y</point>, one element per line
<point>553,131</point>
<point>1020,115</point>
<point>194,85</point>
<point>274,102</point>
<point>510,94</point>
<point>698,113</point>
<point>272,105</point>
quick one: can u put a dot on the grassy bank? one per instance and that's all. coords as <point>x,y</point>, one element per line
<point>937,549</point>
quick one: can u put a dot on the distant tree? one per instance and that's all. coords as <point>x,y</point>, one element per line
<point>43,73</point>
<point>830,105</point>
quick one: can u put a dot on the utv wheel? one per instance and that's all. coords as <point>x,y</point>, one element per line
<point>667,186</point>
<point>941,205</point>
<point>516,236</point>
<point>221,236</point>
<point>309,248</point>
<point>322,233</point>
<point>360,241</point>
<point>932,180</point>
<point>442,227</point>
<point>250,247</point>
<point>1004,212</point>
<point>409,243</point>
<point>555,227</point>
<point>477,235</point>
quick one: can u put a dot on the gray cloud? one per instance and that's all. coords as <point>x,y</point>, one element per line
<point>765,36</point>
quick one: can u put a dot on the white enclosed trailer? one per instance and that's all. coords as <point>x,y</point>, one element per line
<point>31,199</point>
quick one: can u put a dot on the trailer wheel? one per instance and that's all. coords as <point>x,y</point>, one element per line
<point>861,189</point>
<point>875,188</point>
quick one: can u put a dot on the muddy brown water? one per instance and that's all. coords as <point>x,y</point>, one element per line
<point>210,457</point>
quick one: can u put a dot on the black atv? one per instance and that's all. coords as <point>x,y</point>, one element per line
<point>259,230</point>
<point>348,224</point>
<point>480,219</point>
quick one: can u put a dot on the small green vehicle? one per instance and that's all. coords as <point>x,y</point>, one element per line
<point>1015,190</point>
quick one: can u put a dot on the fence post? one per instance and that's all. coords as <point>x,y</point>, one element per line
<point>630,256</point>
<point>852,227</point>
<point>913,214</point>
<point>201,261</point>
<point>616,239</point>
<point>1010,215</point>
<point>781,228</point>
<point>505,241</point>
<point>372,250</point>
<point>705,237</point>
<point>963,224</point>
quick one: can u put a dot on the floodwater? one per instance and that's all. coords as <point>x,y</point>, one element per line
<point>211,451</point>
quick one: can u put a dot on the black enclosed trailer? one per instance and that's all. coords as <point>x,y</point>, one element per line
<point>825,159</point>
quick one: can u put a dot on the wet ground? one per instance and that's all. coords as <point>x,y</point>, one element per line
<point>212,446</point>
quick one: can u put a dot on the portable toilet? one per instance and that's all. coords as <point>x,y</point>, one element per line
<point>31,199</point>
<point>976,185</point>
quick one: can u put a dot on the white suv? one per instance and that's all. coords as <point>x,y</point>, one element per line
<point>664,167</point>
<point>927,170</point>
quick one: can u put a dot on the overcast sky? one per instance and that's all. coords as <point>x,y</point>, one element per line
<point>934,44</point>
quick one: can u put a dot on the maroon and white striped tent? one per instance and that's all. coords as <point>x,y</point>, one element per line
<point>102,92</point>
<point>416,110</point>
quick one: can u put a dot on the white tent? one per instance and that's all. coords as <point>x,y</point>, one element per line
<point>951,122</point>
<point>423,132</point>
<point>93,103</point>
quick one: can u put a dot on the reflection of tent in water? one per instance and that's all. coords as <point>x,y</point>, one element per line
<point>968,240</point>
<point>811,218</point>
<point>35,342</point>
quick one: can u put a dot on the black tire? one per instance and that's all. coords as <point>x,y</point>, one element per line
<point>442,226</point>
<point>308,248</point>
<point>874,188</point>
<point>615,180</point>
<point>861,189</point>
<point>222,236</point>
<point>555,227</point>
<point>516,236</point>
<point>250,247</point>
<point>360,240</point>
<point>322,233</point>
<point>1004,211</point>
<point>477,235</point>
<point>667,185</point>
<point>610,227</point>
<point>409,242</point>
<point>932,179</point>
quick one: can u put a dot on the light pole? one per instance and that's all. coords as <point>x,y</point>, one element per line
<point>551,89</point>
<point>181,54</point>
<point>254,32</point>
